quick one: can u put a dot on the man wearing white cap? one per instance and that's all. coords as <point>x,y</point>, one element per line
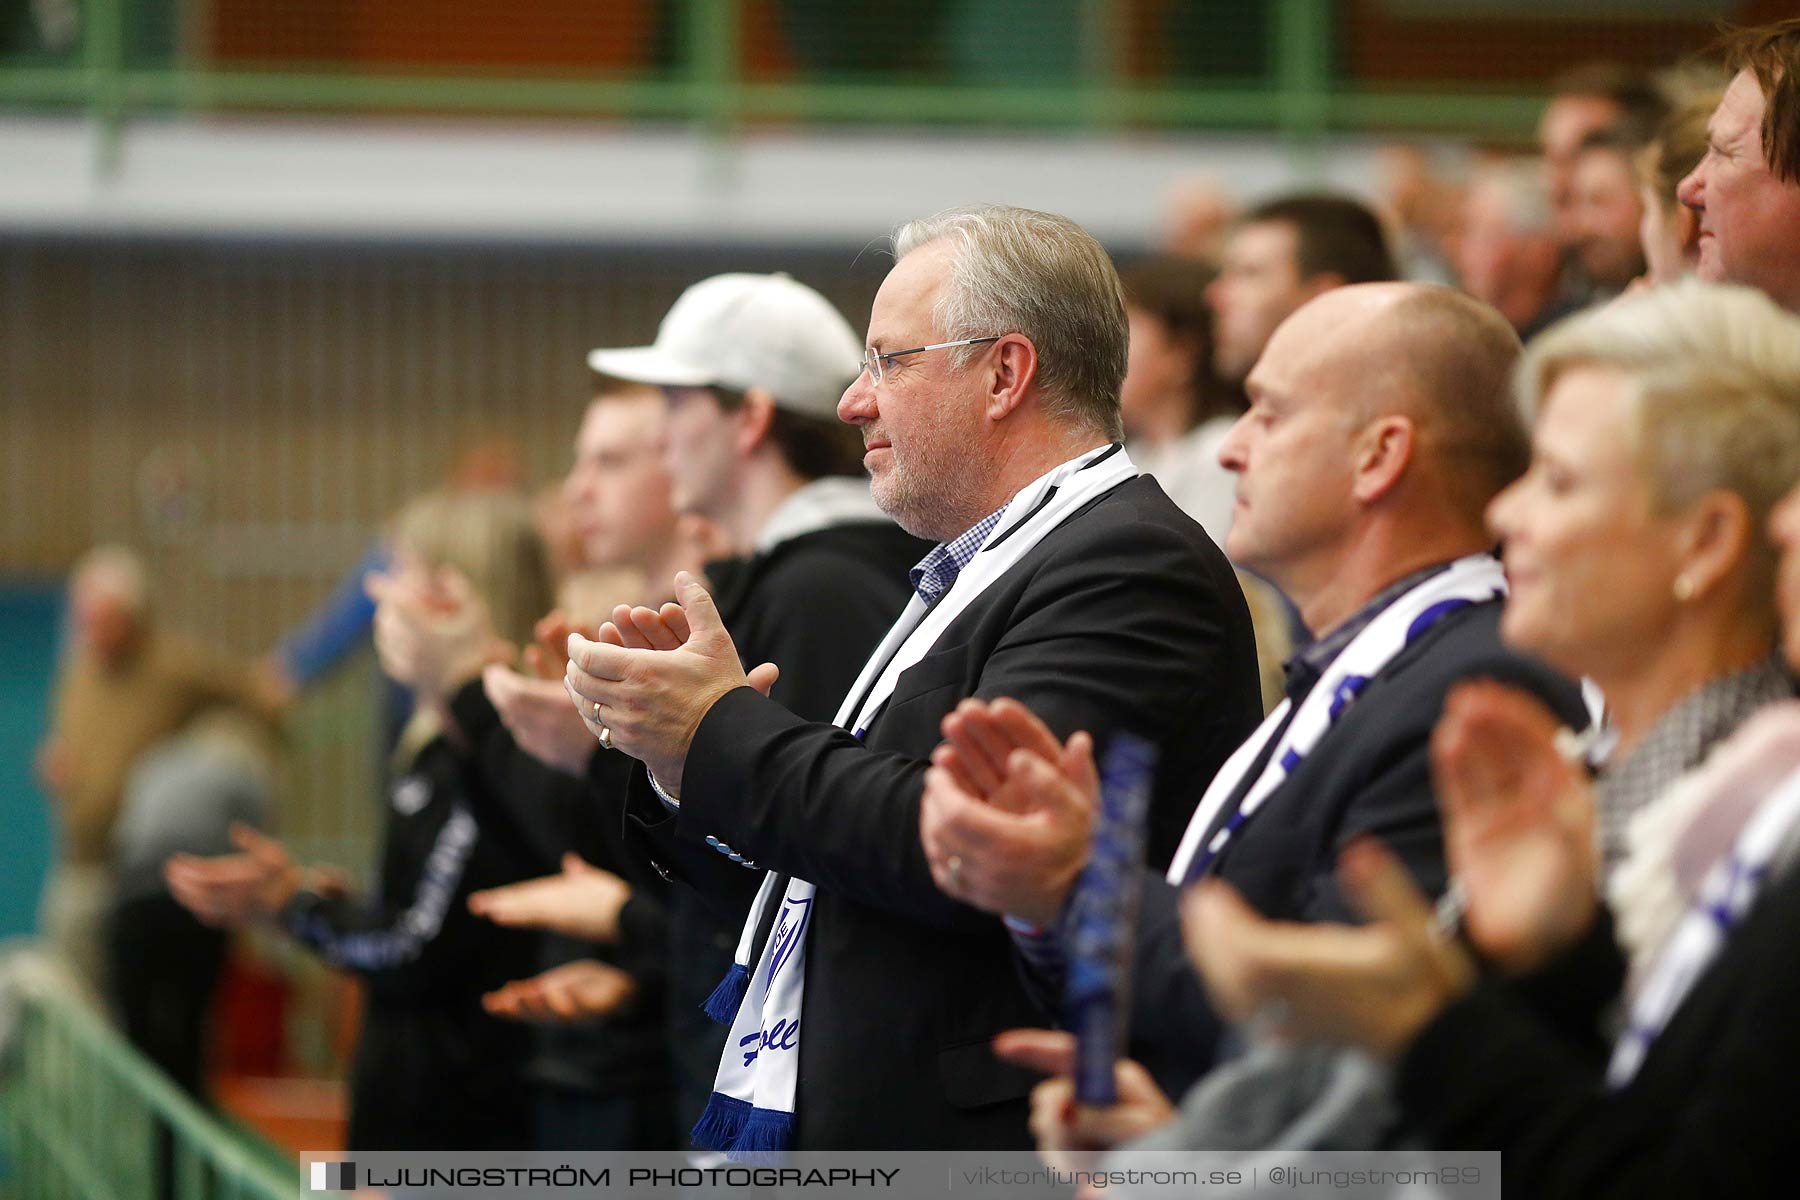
<point>862,999</point>
<point>752,367</point>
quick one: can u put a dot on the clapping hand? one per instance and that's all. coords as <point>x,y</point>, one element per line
<point>234,889</point>
<point>583,990</point>
<point>1518,825</point>
<point>646,681</point>
<point>1008,811</point>
<point>1373,986</point>
<point>432,636</point>
<point>582,901</point>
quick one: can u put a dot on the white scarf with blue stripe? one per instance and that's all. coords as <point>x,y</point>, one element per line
<point>1472,580</point>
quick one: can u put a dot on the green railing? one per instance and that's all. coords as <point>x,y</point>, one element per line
<point>88,1118</point>
<point>1287,86</point>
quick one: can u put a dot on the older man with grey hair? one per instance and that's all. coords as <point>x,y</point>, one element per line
<point>863,998</point>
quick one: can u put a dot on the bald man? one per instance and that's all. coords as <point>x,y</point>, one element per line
<point>1379,429</point>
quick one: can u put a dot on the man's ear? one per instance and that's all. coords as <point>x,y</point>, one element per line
<point>754,419</point>
<point>1014,369</point>
<point>1383,452</point>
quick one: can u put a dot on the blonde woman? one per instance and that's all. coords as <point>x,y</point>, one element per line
<point>433,1070</point>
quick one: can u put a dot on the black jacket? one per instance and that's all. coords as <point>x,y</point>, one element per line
<point>816,605</point>
<point>1709,1113</point>
<point>425,961</point>
<point>1124,617</point>
<point>1370,774</point>
<point>546,813</point>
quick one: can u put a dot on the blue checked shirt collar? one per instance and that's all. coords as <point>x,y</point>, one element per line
<point>934,574</point>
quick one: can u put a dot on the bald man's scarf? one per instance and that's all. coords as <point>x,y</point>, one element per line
<point>1472,580</point>
<point>751,1112</point>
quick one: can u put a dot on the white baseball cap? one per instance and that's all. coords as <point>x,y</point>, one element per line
<point>748,331</point>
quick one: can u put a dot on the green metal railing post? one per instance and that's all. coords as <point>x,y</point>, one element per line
<point>1303,87</point>
<point>1100,62</point>
<point>105,54</point>
<point>714,76</point>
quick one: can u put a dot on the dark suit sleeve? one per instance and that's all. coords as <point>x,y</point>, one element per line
<point>1397,804</point>
<point>1486,1075</point>
<point>1174,1031</point>
<point>1116,630</point>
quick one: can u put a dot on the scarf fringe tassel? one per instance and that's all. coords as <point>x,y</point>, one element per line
<point>723,1004</point>
<point>743,1131</point>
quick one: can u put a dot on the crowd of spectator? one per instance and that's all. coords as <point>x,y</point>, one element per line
<point>1463,620</point>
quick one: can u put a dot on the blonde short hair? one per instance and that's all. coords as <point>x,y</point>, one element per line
<point>1714,390</point>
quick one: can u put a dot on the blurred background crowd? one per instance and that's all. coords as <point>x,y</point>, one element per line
<point>297,298</point>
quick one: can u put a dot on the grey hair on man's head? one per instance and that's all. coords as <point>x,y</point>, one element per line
<point>1016,270</point>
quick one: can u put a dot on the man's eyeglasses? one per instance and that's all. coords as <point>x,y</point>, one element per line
<point>875,361</point>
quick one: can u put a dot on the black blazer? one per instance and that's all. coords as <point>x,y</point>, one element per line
<point>1709,1113</point>
<point>1370,774</point>
<point>1124,617</point>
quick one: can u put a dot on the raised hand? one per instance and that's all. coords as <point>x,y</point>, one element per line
<point>1518,825</point>
<point>434,638</point>
<point>645,683</point>
<point>980,736</point>
<point>583,990</point>
<point>1069,1134</point>
<point>1008,812</point>
<point>538,715</point>
<point>548,655</point>
<point>581,902</point>
<point>1373,986</point>
<point>234,889</point>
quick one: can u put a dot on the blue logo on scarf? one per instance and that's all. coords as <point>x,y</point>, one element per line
<point>782,1035</point>
<point>787,932</point>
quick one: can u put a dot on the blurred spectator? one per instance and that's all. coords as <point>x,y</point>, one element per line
<point>1507,254</point>
<point>424,959</point>
<point>1176,410</point>
<point>1279,256</point>
<point>1606,213</point>
<point>183,797</point>
<point>1177,413</point>
<point>1584,101</point>
<point>1427,209</point>
<point>583,591</point>
<point>335,629</point>
<point>1670,231</point>
<point>619,501</point>
<point>1746,191</point>
<point>124,685</point>
<point>1197,214</point>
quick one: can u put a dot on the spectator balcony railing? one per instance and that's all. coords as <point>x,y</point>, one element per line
<point>1287,84</point>
<point>86,1115</point>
